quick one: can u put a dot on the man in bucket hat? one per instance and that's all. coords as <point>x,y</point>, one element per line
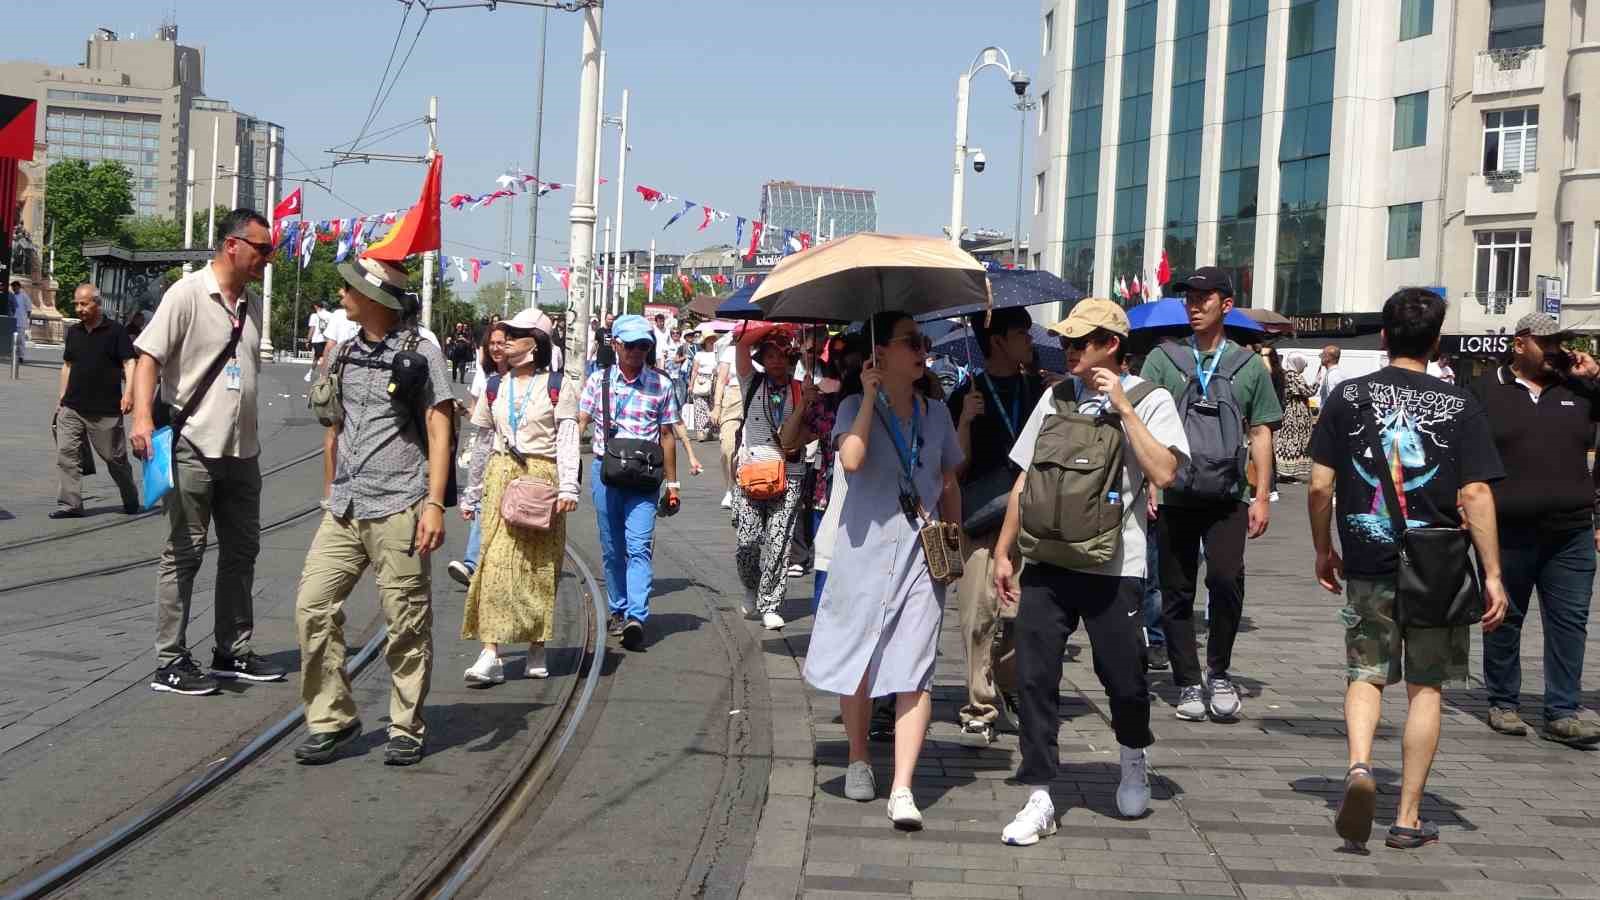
<point>387,402</point>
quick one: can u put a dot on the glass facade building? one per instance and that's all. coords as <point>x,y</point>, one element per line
<point>1083,141</point>
<point>133,139</point>
<point>787,205</point>
<point>1186,125</point>
<point>1133,139</point>
<point>1303,155</point>
<point>1240,177</point>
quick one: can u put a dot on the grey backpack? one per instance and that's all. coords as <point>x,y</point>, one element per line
<point>1219,447</point>
<point>1072,504</point>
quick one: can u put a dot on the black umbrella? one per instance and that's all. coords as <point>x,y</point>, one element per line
<point>1016,287</point>
<point>961,345</point>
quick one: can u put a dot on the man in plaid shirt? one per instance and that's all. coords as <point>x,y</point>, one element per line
<point>641,408</point>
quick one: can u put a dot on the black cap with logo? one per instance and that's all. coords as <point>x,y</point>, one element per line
<point>1205,278</point>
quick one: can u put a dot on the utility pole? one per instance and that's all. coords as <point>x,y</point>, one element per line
<point>505,268</point>
<point>599,122</point>
<point>188,209</point>
<point>1023,105</point>
<point>816,230</point>
<point>272,204</point>
<point>430,259</point>
<point>211,208</point>
<point>650,292</point>
<point>233,203</point>
<point>538,140</point>
<point>609,263</point>
<point>581,242</point>
<point>619,303</point>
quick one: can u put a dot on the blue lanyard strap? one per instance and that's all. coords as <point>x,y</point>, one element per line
<point>1202,373</point>
<point>1013,416</point>
<point>910,458</point>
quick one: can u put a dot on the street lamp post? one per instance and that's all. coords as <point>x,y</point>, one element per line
<point>989,56</point>
<point>1024,104</point>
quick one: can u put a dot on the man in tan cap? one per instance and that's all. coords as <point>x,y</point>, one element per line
<point>387,460</point>
<point>1088,566</point>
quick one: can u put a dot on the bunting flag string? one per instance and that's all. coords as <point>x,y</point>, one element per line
<point>793,241</point>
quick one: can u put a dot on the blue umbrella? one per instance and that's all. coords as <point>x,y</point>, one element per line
<point>961,345</point>
<point>737,305</point>
<point>1015,287</point>
<point>1171,313</point>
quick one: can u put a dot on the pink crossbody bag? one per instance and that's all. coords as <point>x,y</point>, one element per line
<point>526,502</point>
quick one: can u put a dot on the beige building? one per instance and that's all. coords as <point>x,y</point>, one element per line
<point>242,155</point>
<point>1523,195</point>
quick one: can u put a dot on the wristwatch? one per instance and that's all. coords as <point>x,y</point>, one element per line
<point>673,486</point>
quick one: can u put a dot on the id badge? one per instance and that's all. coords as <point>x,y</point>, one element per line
<point>233,375</point>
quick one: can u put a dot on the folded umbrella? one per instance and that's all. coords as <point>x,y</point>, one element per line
<point>854,277</point>
<point>1017,287</point>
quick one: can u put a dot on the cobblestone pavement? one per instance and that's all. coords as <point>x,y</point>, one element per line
<point>1239,810</point>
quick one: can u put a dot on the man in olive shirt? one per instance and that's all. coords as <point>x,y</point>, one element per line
<point>215,469</point>
<point>96,389</point>
<point>1216,364</point>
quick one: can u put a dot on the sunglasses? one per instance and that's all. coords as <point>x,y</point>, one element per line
<point>264,248</point>
<point>915,340</point>
<point>638,345</point>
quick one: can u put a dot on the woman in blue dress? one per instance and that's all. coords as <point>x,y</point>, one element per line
<point>877,632</point>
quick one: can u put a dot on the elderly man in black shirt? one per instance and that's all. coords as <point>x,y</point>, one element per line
<point>1542,410</point>
<point>96,390</point>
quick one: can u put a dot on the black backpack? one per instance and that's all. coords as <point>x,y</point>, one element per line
<point>1219,443</point>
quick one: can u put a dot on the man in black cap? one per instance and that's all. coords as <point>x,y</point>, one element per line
<point>1228,407</point>
<point>1542,410</point>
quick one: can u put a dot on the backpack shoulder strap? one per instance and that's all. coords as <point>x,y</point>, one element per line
<point>1234,364</point>
<point>1065,396</point>
<point>1139,392</point>
<point>750,394</point>
<point>1183,362</point>
<point>492,389</point>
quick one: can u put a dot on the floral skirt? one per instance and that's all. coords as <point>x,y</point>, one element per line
<point>513,593</point>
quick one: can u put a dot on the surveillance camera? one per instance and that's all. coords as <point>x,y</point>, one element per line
<point>979,161</point>
<point>1019,83</point>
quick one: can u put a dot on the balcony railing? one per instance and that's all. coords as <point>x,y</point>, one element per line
<point>1508,69</point>
<point>1496,303</point>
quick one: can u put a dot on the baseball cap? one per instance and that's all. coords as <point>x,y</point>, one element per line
<point>1090,314</point>
<point>630,328</point>
<point>1205,278</point>
<point>1539,325</point>
<point>530,319</point>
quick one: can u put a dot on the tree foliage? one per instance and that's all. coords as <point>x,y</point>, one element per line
<point>85,204</point>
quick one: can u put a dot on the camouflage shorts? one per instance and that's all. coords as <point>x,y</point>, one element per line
<point>1374,644</point>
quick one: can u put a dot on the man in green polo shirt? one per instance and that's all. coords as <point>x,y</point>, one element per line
<point>1215,505</point>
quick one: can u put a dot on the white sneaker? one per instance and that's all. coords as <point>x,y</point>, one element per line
<point>797,571</point>
<point>859,782</point>
<point>487,670</point>
<point>727,500</point>
<point>459,572</point>
<point>307,379</point>
<point>1133,794</point>
<point>536,667</point>
<point>903,810</point>
<point>1273,497</point>
<point>771,621</point>
<point>747,606</point>
<point>1035,820</point>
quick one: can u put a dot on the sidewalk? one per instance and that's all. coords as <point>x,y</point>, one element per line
<point>1238,810</point>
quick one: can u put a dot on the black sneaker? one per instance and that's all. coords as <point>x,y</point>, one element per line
<point>633,635</point>
<point>182,676</point>
<point>1156,658</point>
<point>615,624</point>
<point>402,751</point>
<point>320,746</point>
<point>66,513</point>
<point>247,665</point>
<point>881,726</point>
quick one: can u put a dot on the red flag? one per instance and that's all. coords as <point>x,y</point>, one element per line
<point>1137,289</point>
<point>805,240</point>
<point>19,118</point>
<point>288,206</point>
<point>517,267</point>
<point>707,220</point>
<point>688,286</point>
<point>755,238</point>
<point>418,230</point>
<point>1164,273</point>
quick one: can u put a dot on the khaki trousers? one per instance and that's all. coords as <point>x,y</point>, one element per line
<point>340,552</point>
<point>991,663</point>
<point>106,436</point>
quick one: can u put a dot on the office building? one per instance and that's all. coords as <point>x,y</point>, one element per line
<point>786,205</point>
<point>234,130</point>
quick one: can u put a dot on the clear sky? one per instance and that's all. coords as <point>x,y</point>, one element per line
<point>724,95</point>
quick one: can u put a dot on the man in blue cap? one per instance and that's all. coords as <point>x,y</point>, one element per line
<point>629,402</point>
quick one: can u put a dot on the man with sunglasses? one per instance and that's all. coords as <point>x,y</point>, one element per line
<point>215,468</point>
<point>1542,410</point>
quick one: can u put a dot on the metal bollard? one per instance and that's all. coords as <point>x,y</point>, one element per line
<point>16,355</point>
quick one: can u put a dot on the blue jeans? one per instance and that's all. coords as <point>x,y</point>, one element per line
<point>1562,566</point>
<point>627,521</point>
<point>474,543</point>
<point>1153,634</point>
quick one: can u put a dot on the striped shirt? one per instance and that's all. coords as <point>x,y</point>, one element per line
<point>639,408</point>
<point>769,409</point>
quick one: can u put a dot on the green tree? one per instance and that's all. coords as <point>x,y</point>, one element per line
<point>85,204</point>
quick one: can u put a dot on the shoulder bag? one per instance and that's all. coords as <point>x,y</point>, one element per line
<point>941,541</point>
<point>1437,584</point>
<point>633,464</point>
<point>526,502</point>
<point>764,479</point>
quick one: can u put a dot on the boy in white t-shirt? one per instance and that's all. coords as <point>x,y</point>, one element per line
<point>1108,596</point>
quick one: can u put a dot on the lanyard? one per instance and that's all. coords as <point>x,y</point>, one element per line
<point>1014,416</point>
<point>910,458</point>
<point>513,411</point>
<point>1200,372</point>
<point>781,402</point>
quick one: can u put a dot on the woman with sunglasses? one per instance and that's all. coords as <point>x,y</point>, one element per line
<point>877,632</point>
<point>512,595</point>
<point>491,361</point>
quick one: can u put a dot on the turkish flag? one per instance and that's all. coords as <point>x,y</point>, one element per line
<point>18,120</point>
<point>288,206</point>
<point>1164,273</point>
<point>418,230</point>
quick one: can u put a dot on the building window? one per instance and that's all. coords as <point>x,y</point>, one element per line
<point>1133,140</point>
<point>1083,142</point>
<point>1570,132</point>
<point>1048,42</point>
<point>1411,120</point>
<point>1185,127</point>
<point>1416,18</point>
<point>1038,194</point>
<point>1503,267</point>
<point>1515,23</point>
<point>1511,140</point>
<point>1405,231</point>
<point>1241,144</point>
<point>1303,155</point>
<point>1044,112</point>
<point>1564,256</point>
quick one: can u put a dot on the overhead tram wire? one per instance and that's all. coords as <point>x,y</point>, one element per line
<point>372,108</point>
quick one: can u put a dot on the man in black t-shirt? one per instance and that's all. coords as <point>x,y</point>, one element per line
<point>1438,449</point>
<point>990,410</point>
<point>96,390</point>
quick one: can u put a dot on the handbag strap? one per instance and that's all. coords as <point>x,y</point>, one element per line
<point>605,404</point>
<point>182,416</point>
<point>1391,496</point>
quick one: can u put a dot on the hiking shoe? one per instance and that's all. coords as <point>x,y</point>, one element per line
<point>1354,819</point>
<point>1036,819</point>
<point>403,750</point>
<point>247,666</point>
<point>1156,660</point>
<point>1412,838</point>
<point>1224,699</point>
<point>1572,731</point>
<point>903,810</point>
<point>615,623</point>
<point>488,669</point>
<point>1506,721</point>
<point>460,572</point>
<point>1192,704</point>
<point>320,746</point>
<point>859,782</point>
<point>182,676</point>
<point>538,665</point>
<point>633,635</point>
<point>1133,793</point>
<point>771,621</point>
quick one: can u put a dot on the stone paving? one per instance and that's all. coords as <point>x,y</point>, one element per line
<point>1240,810</point>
